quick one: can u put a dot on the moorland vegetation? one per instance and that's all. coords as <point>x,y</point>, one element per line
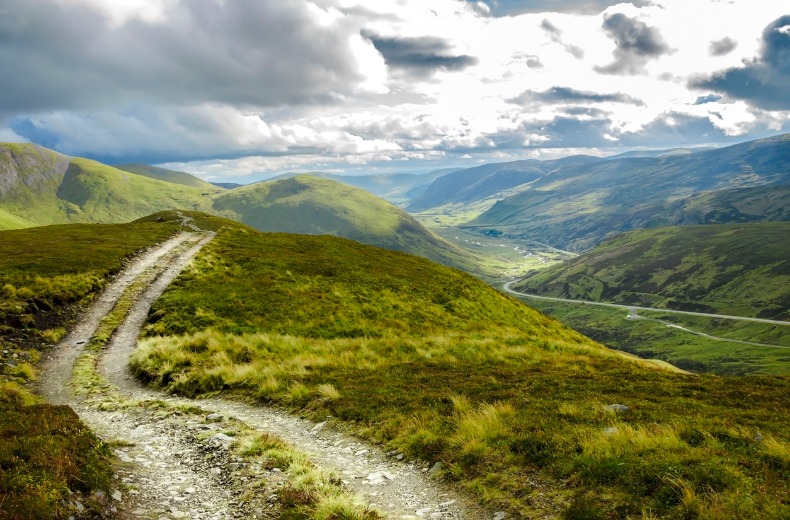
<point>517,408</point>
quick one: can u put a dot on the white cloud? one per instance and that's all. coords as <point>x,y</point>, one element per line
<point>284,85</point>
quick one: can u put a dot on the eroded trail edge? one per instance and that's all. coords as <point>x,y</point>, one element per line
<point>175,461</point>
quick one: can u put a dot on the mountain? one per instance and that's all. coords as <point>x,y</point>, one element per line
<point>473,184</point>
<point>162,174</point>
<point>657,153</point>
<point>227,185</point>
<point>576,207</point>
<point>397,188</point>
<point>312,205</point>
<point>741,269</point>
<point>39,187</point>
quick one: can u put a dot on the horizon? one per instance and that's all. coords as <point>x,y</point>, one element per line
<point>242,91</point>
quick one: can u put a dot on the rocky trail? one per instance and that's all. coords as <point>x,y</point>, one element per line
<point>174,454</point>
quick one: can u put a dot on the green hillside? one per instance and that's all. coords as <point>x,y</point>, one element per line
<point>443,368</point>
<point>311,205</point>
<point>481,182</point>
<point>577,207</point>
<point>174,177</point>
<point>397,188</point>
<point>741,269</point>
<point>43,187</point>
<point>40,187</point>
<point>734,269</point>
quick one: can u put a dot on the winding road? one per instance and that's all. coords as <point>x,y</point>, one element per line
<point>633,308</point>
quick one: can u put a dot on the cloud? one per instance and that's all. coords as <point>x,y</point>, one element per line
<point>57,54</point>
<point>562,95</point>
<point>764,81</point>
<point>517,7</point>
<point>636,43</point>
<point>421,56</point>
<point>556,36</point>
<point>722,47</point>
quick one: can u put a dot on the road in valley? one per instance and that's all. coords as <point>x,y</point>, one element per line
<point>633,315</point>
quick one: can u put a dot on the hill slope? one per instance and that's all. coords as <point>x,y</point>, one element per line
<point>443,368</point>
<point>732,269</point>
<point>311,205</point>
<point>39,187</point>
<point>474,184</point>
<point>576,207</point>
<point>397,188</point>
<point>163,174</point>
<point>741,269</point>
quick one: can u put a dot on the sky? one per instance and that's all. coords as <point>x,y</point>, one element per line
<point>243,90</point>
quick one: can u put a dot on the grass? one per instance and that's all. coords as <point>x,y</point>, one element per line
<point>46,273</point>
<point>46,456</point>
<point>45,188</point>
<point>738,269</point>
<point>312,205</point>
<point>441,367</point>
<point>691,352</point>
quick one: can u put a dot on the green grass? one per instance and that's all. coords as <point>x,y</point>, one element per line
<point>45,274</point>
<point>737,269</point>
<point>312,205</point>
<point>170,176</point>
<point>437,365</point>
<point>46,454</point>
<point>691,352</point>
<point>42,187</point>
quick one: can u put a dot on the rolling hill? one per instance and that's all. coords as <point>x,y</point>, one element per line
<point>40,187</point>
<point>312,205</point>
<point>741,269</point>
<point>576,207</point>
<point>397,188</point>
<point>162,174</point>
<point>434,364</point>
<point>730,269</point>
<point>481,182</point>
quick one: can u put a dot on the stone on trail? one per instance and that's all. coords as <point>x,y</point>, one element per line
<point>214,417</point>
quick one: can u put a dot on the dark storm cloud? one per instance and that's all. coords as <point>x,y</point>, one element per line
<point>561,95</point>
<point>722,47</point>
<point>419,56</point>
<point>516,7</point>
<point>556,36</point>
<point>764,81</point>
<point>240,52</point>
<point>636,44</point>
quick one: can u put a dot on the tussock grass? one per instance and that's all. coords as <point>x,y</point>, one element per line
<point>46,452</point>
<point>309,492</point>
<point>441,367</point>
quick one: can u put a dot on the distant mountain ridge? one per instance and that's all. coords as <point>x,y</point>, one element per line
<point>162,174</point>
<point>473,184</point>
<point>576,207</point>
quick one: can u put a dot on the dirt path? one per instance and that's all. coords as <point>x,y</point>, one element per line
<point>177,465</point>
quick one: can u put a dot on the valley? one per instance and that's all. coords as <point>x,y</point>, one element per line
<point>332,360</point>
